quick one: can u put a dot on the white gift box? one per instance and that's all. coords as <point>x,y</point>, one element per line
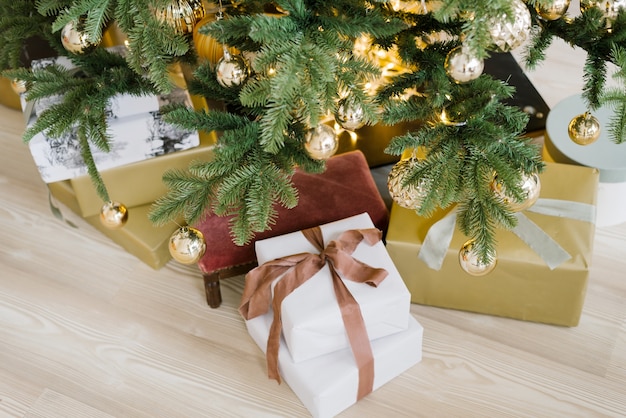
<point>311,319</point>
<point>328,384</point>
<point>133,139</point>
<point>135,126</point>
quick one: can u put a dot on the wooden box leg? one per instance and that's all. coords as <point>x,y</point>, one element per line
<point>212,289</point>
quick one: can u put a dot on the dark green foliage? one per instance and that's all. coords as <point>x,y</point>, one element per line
<point>18,24</point>
<point>302,61</point>
<point>303,64</point>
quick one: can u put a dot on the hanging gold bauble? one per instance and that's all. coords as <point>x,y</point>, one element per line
<point>461,66</point>
<point>409,196</point>
<point>507,35</point>
<point>349,115</point>
<point>18,86</point>
<point>113,215</point>
<point>187,245</point>
<point>584,129</point>
<point>321,142</point>
<point>231,70</point>
<point>75,39</point>
<point>206,46</point>
<point>531,188</point>
<point>181,15</point>
<point>555,11</point>
<point>470,261</point>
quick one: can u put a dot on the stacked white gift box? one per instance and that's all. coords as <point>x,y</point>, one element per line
<point>135,127</point>
<point>319,355</point>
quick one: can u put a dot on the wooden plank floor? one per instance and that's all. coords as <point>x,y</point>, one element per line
<point>87,330</point>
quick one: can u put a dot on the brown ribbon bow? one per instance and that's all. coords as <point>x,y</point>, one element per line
<point>299,268</point>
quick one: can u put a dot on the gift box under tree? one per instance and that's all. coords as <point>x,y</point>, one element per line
<point>134,124</point>
<point>546,285</point>
<point>139,236</point>
<point>330,311</point>
<point>344,189</point>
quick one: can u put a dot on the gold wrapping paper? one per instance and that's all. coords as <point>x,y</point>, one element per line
<point>139,183</point>
<point>521,286</point>
<point>139,236</point>
<point>8,96</point>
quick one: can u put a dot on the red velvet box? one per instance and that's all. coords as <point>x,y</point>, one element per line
<point>345,189</point>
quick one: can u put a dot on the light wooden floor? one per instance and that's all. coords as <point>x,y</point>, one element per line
<point>86,330</point>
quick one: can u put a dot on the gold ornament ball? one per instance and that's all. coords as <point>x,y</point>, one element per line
<point>349,115</point>
<point>181,15</point>
<point>470,261</point>
<point>113,215</point>
<point>409,196</point>
<point>584,129</point>
<point>18,86</point>
<point>321,142</point>
<point>231,70</point>
<point>75,39</point>
<point>609,8</point>
<point>531,188</point>
<point>555,11</point>
<point>507,35</point>
<point>461,66</point>
<point>187,245</point>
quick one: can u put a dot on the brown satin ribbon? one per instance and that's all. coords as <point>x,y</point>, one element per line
<point>299,268</point>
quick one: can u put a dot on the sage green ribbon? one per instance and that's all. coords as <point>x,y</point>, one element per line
<point>439,235</point>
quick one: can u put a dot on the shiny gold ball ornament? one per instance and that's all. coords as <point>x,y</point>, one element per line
<point>113,215</point>
<point>187,245</point>
<point>410,196</point>
<point>470,261</point>
<point>509,34</point>
<point>584,129</point>
<point>462,66</point>
<point>609,8</point>
<point>232,69</point>
<point>554,11</point>
<point>181,15</point>
<point>18,86</point>
<point>531,188</point>
<point>349,115</point>
<point>321,142</point>
<point>75,39</point>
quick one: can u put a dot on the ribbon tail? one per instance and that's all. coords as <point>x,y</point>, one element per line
<point>437,241</point>
<point>292,279</point>
<point>357,335</point>
<point>565,209</point>
<point>548,249</point>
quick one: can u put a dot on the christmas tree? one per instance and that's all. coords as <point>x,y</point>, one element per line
<point>292,69</point>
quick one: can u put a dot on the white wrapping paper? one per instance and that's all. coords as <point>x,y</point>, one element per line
<point>133,139</point>
<point>328,384</point>
<point>311,318</point>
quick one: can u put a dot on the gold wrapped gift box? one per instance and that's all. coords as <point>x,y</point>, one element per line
<point>139,183</point>
<point>521,286</point>
<point>139,236</point>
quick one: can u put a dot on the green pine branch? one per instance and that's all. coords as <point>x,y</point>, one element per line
<point>616,97</point>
